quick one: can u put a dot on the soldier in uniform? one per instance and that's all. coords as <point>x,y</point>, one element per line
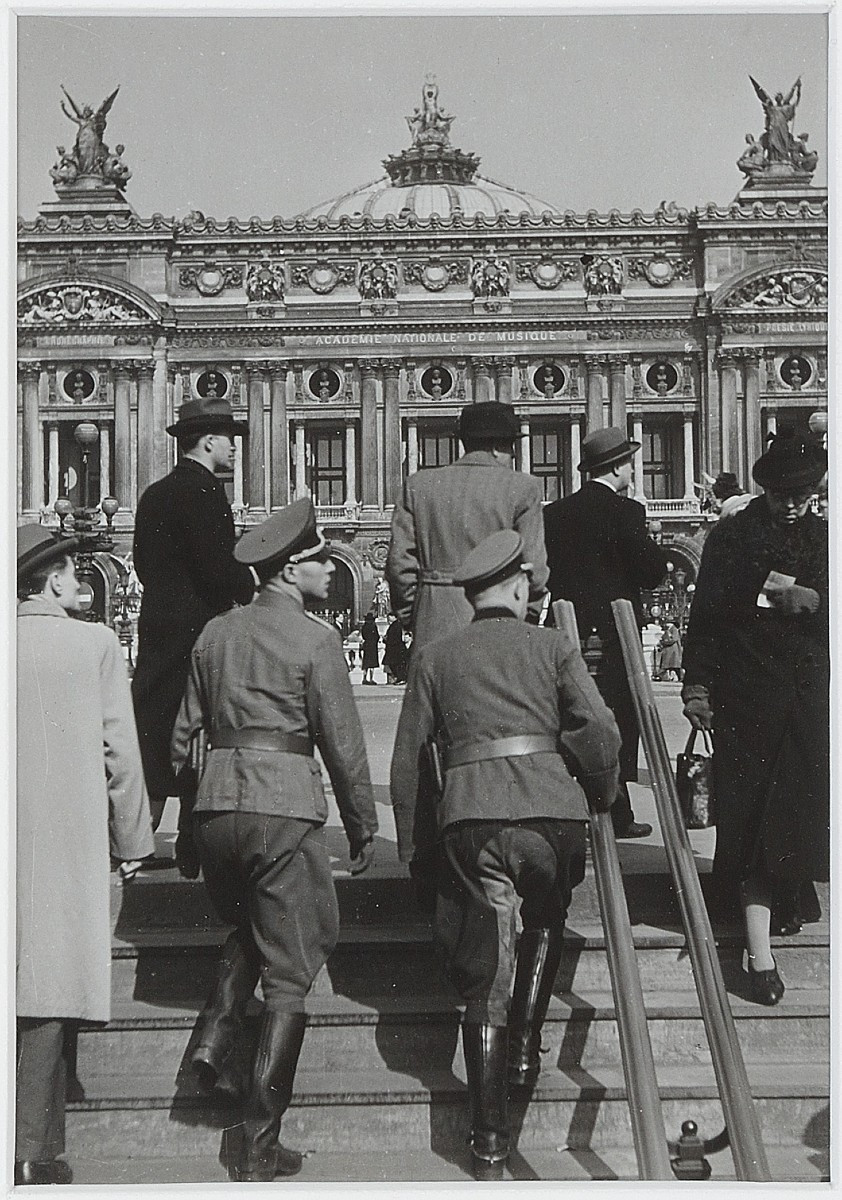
<point>598,550</point>
<point>445,512</point>
<point>183,555</point>
<point>513,711</point>
<point>267,683</point>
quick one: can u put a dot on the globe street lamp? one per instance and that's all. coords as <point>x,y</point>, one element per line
<point>86,435</point>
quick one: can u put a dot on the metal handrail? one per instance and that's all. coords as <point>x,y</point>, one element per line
<point>735,1094</point>
<point>647,1121</point>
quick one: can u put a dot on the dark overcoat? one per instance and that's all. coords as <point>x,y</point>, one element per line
<point>598,550</point>
<point>183,555</point>
<point>370,635</point>
<point>768,678</point>
<point>442,515</point>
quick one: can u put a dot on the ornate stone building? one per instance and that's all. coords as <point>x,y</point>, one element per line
<point>350,336</point>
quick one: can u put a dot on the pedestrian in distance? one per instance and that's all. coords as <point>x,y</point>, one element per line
<point>598,551</point>
<point>527,745</point>
<point>80,798</point>
<point>268,682</point>
<point>183,556</point>
<point>395,653</point>
<point>756,672</point>
<point>371,654</point>
<point>444,512</point>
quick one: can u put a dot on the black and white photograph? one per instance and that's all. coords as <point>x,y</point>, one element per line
<point>421,652</point>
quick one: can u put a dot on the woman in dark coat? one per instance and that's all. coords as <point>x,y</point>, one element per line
<point>371,640</point>
<point>395,652</point>
<point>756,663</point>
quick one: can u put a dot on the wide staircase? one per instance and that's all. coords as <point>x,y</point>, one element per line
<point>380,1088</point>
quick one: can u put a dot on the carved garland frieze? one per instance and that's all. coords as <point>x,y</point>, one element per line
<point>77,304</point>
<point>265,281</point>
<point>378,279</point>
<point>210,279</point>
<point>799,289</point>
<point>546,272</point>
<point>659,270</point>
<point>490,277</point>
<point>322,277</point>
<point>434,274</point>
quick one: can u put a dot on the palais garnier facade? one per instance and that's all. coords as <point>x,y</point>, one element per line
<point>349,337</point>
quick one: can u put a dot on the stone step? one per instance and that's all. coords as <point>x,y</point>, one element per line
<point>388,1111</point>
<point>789,1164</point>
<point>405,1034</point>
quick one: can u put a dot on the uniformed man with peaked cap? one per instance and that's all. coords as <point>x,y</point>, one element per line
<point>527,744</point>
<point>267,683</point>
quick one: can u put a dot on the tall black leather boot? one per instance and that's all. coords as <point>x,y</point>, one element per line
<point>486,1049</point>
<point>278,1048</point>
<point>223,1015</point>
<point>538,958</point>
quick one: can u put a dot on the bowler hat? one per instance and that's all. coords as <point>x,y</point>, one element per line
<point>725,485</point>
<point>289,535</point>
<point>606,448</point>
<point>207,414</point>
<point>489,421</point>
<point>793,460</point>
<point>495,559</point>
<point>38,546</point>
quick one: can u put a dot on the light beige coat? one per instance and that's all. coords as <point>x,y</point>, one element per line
<point>79,780</point>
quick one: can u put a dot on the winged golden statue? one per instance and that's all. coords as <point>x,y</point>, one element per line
<point>89,151</point>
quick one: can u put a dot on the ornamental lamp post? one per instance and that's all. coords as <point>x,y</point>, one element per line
<point>86,435</point>
<point>63,510</point>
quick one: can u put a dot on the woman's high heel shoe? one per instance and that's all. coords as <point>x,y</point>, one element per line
<point>767,987</point>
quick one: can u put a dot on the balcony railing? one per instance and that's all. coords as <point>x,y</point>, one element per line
<point>337,512</point>
<point>685,506</point>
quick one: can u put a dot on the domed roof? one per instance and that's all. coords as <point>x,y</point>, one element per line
<point>431,177</point>
<point>382,198</point>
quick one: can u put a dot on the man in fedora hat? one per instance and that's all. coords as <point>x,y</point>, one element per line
<point>80,793</point>
<point>528,745</point>
<point>445,512</point>
<point>598,551</point>
<point>267,683</point>
<point>183,555</point>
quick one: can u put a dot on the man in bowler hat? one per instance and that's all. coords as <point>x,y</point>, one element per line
<point>80,794</point>
<point>598,550</point>
<point>183,556</point>
<point>445,512</point>
<point>267,683</point>
<point>527,745</point>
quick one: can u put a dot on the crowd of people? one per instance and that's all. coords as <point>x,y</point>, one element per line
<point>504,746</point>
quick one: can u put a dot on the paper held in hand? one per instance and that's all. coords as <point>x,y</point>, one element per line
<point>774,582</point>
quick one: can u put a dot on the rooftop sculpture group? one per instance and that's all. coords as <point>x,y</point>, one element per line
<point>778,156</point>
<point>90,159</point>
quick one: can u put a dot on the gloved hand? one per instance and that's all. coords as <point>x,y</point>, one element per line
<point>697,707</point>
<point>186,857</point>
<point>793,600</point>
<point>361,854</point>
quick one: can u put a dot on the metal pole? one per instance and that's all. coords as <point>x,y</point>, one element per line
<point>734,1091</point>
<point>647,1121</point>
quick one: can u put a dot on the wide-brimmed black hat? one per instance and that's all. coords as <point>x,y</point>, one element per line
<point>290,535</point>
<point>606,448</point>
<point>496,558</point>
<point>38,546</point>
<point>793,460</point>
<point>489,421</point>
<point>208,414</point>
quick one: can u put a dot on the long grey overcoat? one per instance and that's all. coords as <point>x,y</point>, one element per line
<point>79,779</point>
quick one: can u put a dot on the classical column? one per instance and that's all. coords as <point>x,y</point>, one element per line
<point>689,470</point>
<point>52,468</point>
<point>160,408</point>
<point>104,460</point>
<point>170,441</point>
<point>391,432</point>
<point>503,368</point>
<point>32,466</point>
<point>411,446</point>
<point>754,434</point>
<point>593,413</point>
<point>728,395</point>
<point>239,489</point>
<point>575,454</point>
<point>122,434</point>
<point>525,447</point>
<point>350,463</point>
<point>368,401</point>
<point>145,426</point>
<point>637,461</point>
<point>186,385</point>
<point>257,447</point>
<point>483,383</point>
<point>617,367</point>
<point>771,423</point>
<point>300,461</point>
<point>279,434</point>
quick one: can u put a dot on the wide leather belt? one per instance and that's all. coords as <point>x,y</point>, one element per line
<point>508,747</point>
<point>271,740</point>
<point>435,578</point>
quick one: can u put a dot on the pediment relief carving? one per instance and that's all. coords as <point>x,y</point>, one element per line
<point>72,303</point>
<point>788,288</point>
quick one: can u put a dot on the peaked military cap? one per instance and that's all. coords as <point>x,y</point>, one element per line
<point>38,546</point>
<point>208,414</point>
<point>495,559</point>
<point>289,535</point>
<point>606,448</point>
<point>489,420</point>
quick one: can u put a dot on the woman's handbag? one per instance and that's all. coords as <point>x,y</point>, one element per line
<point>694,782</point>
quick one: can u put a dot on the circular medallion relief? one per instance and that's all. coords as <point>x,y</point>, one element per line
<point>546,273</point>
<point>210,281</point>
<point>659,271</point>
<point>324,384</point>
<point>661,378</point>
<point>434,277</point>
<point>78,385</point>
<point>323,278</point>
<point>548,379</point>
<point>796,371</point>
<point>379,553</point>
<point>212,385</point>
<point>436,382</point>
